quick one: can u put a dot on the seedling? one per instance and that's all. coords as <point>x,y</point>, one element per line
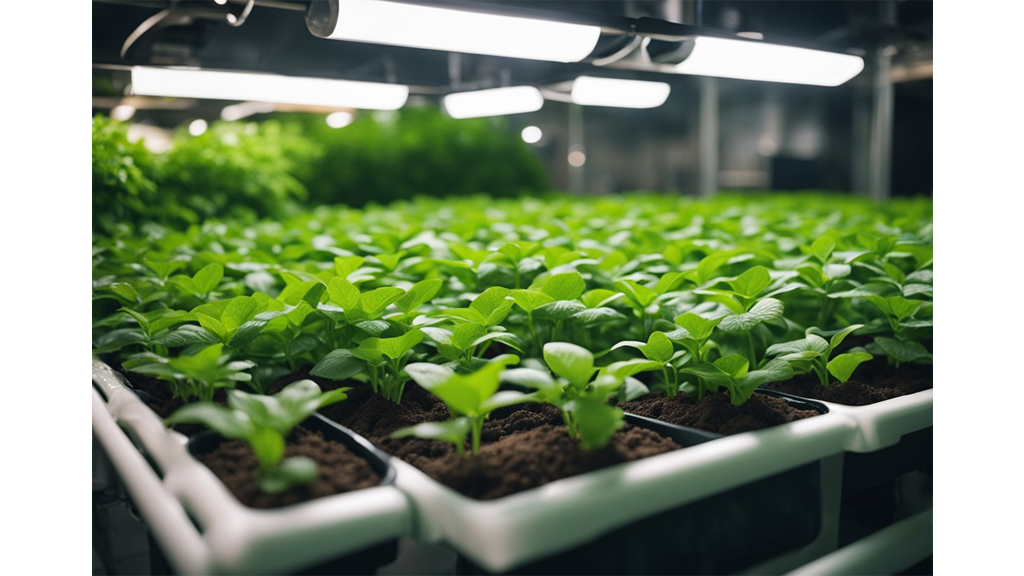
<point>580,397</point>
<point>733,373</point>
<point>469,397</point>
<point>814,354</point>
<point>198,376</point>
<point>382,359</point>
<point>748,308</point>
<point>264,422</point>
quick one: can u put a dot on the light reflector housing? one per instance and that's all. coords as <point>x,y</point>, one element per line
<point>754,60</point>
<point>415,26</point>
<point>493,102</point>
<point>593,91</point>
<point>217,85</point>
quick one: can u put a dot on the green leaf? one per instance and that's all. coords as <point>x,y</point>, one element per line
<point>764,311</point>
<point>395,347</point>
<point>531,378</point>
<point>734,365</point>
<point>903,351</point>
<point>418,295</point>
<point>188,335</point>
<point>751,282</point>
<point>632,367</point>
<point>822,248</point>
<point>838,337</point>
<point>596,422</point>
<point>343,293</point>
<point>208,278</point>
<point>464,335</point>
<point>639,295</point>
<point>338,365</point>
<point>290,472</point>
<point>808,348</point>
<point>214,416</point>
<point>117,339</point>
<point>836,271</point>
<point>600,297</point>
<point>374,302</point>
<point>453,431</point>
<point>567,286</point>
<point>842,366</point>
<point>493,305</point>
<point>530,300</point>
<point>658,348</point>
<point>345,265</point>
<point>238,311</point>
<point>572,362</point>
<point>700,328</point>
<point>559,310</point>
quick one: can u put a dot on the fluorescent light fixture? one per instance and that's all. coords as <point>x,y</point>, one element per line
<point>339,119</point>
<point>593,91</point>
<point>195,83</point>
<point>245,109</point>
<point>754,60</point>
<point>493,102</point>
<point>122,112</point>
<point>197,127</point>
<point>433,28</point>
<point>532,134</point>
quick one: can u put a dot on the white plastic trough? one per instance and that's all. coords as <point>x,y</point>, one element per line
<point>230,538</point>
<point>508,532</point>
<point>883,424</point>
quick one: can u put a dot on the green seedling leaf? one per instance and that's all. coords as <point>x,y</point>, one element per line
<point>374,302</point>
<point>530,300</point>
<point>453,431</point>
<point>493,305</point>
<point>763,311</point>
<point>903,351</point>
<point>700,328</point>
<point>338,365</point>
<point>418,295</point>
<point>842,366</point>
<point>639,295</point>
<point>596,421</point>
<point>572,362</point>
<point>207,278</point>
<point>346,265</point>
<point>567,286</point>
<point>343,293</point>
<point>751,282</point>
<point>822,248</point>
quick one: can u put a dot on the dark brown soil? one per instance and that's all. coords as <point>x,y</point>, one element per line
<point>715,413</point>
<point>339,470</point>
<point>162,402</point>
<point>875,381</point>
<point>522,447</point>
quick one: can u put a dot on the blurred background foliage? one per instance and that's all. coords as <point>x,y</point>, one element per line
<point>271,168</point>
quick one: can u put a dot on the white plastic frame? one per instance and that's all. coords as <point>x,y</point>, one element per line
<point>502,534</point>
<point>884,423</point>
<point>233,539</point>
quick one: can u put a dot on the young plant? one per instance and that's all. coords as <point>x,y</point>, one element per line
<point>733,373</point>
<point>382,359</point>
<point>748,307</point>
<point>814,354</point>
<point>661,353</point>
<point>899,313</point>
<point>264,422</point>
<point>579,396</point>
<point>695,337</point>
<point>469,397</point>
<point>198,376</point>
<point>643,298</point>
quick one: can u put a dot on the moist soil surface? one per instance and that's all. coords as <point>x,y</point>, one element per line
<point>875,381</point>
<point>522,447</point>
<point>715,413</point>
<point>338,470</point>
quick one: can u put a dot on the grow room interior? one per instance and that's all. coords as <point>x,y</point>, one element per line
<point>547,287</point>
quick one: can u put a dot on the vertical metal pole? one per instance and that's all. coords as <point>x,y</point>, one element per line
<point>576,173</point>
<point>690,12</point>
<point>876,164</point>
<point>707,138</point>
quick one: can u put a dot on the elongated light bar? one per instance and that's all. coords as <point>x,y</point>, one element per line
<point>493,102</point>
<point>594,91</point>
<point>754,60</point>
<point>195,83</point>
<point>397,24</point>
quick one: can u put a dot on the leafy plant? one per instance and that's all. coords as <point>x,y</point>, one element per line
<point>264,422</point>
<point>199,375</point>
<point>469,397</point>
<point>733,373</point>
<point>814,354</point>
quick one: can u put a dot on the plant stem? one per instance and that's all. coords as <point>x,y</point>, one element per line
<point>751,355</point>
<point>477,426</point>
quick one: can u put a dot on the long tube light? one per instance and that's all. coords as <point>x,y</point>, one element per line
<point>493,102</point>
<point>754,60</point>
<point>593,91</point>
<point>195,83</point>
<point>398,24</point>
